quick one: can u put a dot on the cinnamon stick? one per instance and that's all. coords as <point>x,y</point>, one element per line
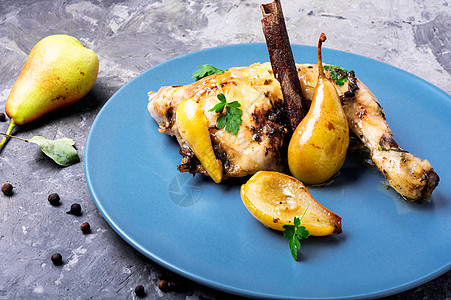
<point>282,60</point>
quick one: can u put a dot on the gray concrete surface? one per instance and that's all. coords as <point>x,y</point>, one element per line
<point>129,37</point>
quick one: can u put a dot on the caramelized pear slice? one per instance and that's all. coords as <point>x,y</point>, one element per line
<point>275,199</point>
<point>193,127</point>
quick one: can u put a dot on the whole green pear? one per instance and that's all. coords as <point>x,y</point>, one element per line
<point>58,72</point>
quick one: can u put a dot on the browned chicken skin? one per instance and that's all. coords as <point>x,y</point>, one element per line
<point>259,144</point>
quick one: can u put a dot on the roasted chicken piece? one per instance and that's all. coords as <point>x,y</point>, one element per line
<point>260,143</point>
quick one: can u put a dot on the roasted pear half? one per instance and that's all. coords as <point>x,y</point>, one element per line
<point>317,149</point>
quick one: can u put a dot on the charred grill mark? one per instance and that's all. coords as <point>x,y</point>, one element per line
<point>270,122</point>
<point>223,84</point>
<point>189,162</point>
<point>273,125</point>
<point>388,142</point>
<point>256,137</point>
<point>170,115</point>
<point>349,94</point>
<point>259,118</point>
<point>381,110</point>
<point>222,156</point>
<point>352,82</point>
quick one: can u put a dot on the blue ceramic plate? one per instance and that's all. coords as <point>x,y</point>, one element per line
<point>202,230</point>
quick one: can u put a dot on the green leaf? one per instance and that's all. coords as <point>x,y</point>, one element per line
<point>221,121</point>
<point>294,245</point>
<point>331,67</point>
<point>235,104</point>
<point>295,233</point>
<point>235,113</point>
<point>61,151</point>
<point>289,231</point>
<point>341,81</point>
<point>232,125</point>
<point>231,120</point>
<point>338,74</point>
<point>218,108</point>
<point>206,70</point>
<point>302,233</point>
<point>221,98</point>
<point>333,75</point>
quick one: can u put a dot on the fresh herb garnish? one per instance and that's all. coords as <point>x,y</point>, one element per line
<point>338,74</point>
<point>231,120</point>
<point>295,233</point>
<point>206,70</point>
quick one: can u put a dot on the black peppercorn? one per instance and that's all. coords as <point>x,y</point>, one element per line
<point>163,285</point>
<point>7,189</point>
<point>2,117</point>
<point>85,227</point>
<point>139,291</point>
<point>75,209</point>
<point>57,259</point>
<point>54,199</point>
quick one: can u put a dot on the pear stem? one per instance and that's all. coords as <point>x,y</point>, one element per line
<point>7,135</point>
<point>322,39</point>
<point>14,137</point>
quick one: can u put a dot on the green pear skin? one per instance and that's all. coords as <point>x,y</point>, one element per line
<point>58,72</point>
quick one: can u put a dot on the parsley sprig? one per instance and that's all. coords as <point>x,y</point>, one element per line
<point>295,233</point>
<point>231,120</point>
<point>206,70</point>
<point>338,74</point>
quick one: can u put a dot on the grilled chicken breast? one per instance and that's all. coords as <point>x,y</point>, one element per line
<point>260,143</point>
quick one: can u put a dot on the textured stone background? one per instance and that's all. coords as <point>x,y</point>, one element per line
<point>129,37</point>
